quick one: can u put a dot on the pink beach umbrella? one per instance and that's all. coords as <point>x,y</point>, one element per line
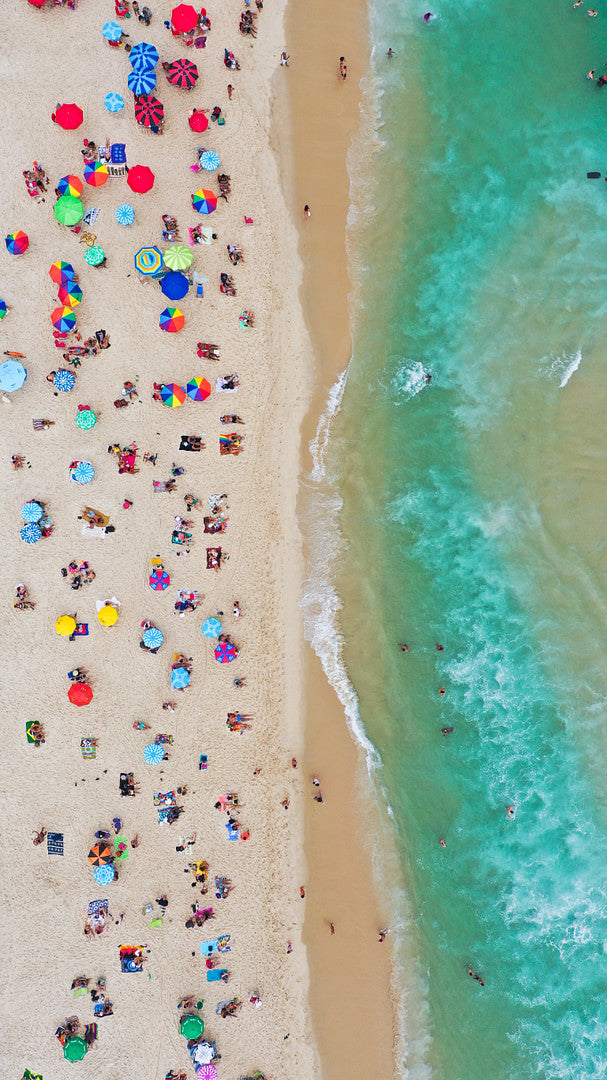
<point>206,1072</point>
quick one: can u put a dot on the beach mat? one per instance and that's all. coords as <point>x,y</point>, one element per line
<point>54,843</point>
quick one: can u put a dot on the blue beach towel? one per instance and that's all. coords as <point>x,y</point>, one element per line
<point>214,975</point>
<point>54,843</point>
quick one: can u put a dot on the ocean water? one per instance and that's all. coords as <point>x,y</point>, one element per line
<point>470,510</point>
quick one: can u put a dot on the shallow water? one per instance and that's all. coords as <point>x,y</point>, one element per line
<point>471,512</point>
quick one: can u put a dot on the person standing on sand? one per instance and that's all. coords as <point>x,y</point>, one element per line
<point>284,59</point>
<point>343,68</point>
<point>307,211</point>
<point>382,934</point>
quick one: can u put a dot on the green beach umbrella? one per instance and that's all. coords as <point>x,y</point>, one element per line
<point>94,255</point>
<point>191,1027</point>
<point>178,257</point>
<point>86,419</point>
<point>68,210</point>
<point>75,1048</point>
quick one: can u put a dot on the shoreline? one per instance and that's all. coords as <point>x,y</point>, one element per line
<point>351,974</point>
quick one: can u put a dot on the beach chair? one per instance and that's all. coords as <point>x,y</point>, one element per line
<point>117,164</point>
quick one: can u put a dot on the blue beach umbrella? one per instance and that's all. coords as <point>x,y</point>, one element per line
<point>64,380</point>
<point>32,511</point>
<point>112,31</point>
<point>153,754</point>
<point>143,56</point>
<point>142,81</point>
<point>211,627</point>
<point>153,637</point>
<point>30,533</point>
<point>125,214</point>
<point>113,102</point>
<point>175,285</point>
<point>209,160</point>
<point>12,375</point>
<point>104,874</point>
<point>83,473</point>
<point>180,677</point>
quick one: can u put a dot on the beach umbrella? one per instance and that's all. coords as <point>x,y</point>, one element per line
<point>180,677</point>
<point>68,210</point>
<point>94,255</point>
<point>211,627</point>
<point>143,56</point>
<point>153,754</point>
<point>149,111</point>
<point>12,375</point>
<point>69,116</point>
<point>172,320</point>
<point>37,3</point>
<point>175,285</point>
<point>140,178</point>
<point>104,874</point>
<point>184,18</point>
<point>204,201</point>
<point>178,257</point>
<point>148,261</point>
<point>112,31</point>
<point>125,214</point>
<point>17,242</point>
<point>70,294</point>
<point>224,652</point>
<point>75,1048</point>
<point>206,1072</point>
<point>83,473</point>
<point>198,389</point>
<point>65,625</point>
<point>64,380</point>
<point>60,272</point>
<point>100,854</point>
<point>159,580</point>
<point>70,185</point>
<point>86,419</point>
<point>113,102</point>
<point>96,173</point>
<point>172,394</point>
<point>183,73</point>
<point>153,637</point>
<point>209,160</point>
<point>198,121</point>
<point>107,615</point>
<point>142,82</point>
<point>63,318</point>
<point>30,533</point>
<point>3,309</point>
<point>80,694</point>
<point>31,511</point>
<point>191,1026</point>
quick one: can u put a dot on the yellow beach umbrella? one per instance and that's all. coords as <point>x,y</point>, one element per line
<point>65,625</point>
<point>107,615</point>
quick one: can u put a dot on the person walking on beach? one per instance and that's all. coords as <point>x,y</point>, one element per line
<point>382,935</point>
<point>343,68</point>
<point>307,211</point>
<point>284,59</point>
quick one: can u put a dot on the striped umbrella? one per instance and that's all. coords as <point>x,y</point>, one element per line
<point>204,201</point>
<point>86,419</point>
<point>153,637</point>
<point>159,580</point>
<point>206,1072</point>
<point>104,874</point>
<point>31,511</point>
<point>198,389</point>
<point>142,81</point>
<point>149,111</point>
<point>153,753</point>
<point>83,473</point>
<point>172,320</point>
<point>125,214</point>
<point>183,73</point>
<point>224,652</point>
<point>113,102</point>
<point>211,627</point>
<point>64,380</point>
<point>180,677</point>
<point>60,272</point>
<point>175,285</point>
<point>94,256</point>
<point>70,294</point>
<point>112,31</point>
<point>30,533</point>
<point>70,185</point>
<point>209,160</point>
<point>100,854</point>
<point>63,319</point>
<point>173,394</point>
<point>17,242</point>
<point>143,56</point>
<point>3,309</point>
<point>68,210</point>
<point>178,257</point>
<point>148,261</point>
<point>96,173</point>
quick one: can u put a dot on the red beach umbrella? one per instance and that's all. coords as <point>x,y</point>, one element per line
<point>183,73</point>
<point>148,110</point>
<point>140,178</point>
<point>183,18</point>
<point>80,693</point>
<point>37,3</point>
<point>69,116</point>
<point>198,121</point>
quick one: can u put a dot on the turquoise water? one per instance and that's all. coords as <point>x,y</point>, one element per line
<point>474,515</point>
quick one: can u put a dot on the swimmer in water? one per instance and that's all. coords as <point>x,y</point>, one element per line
<point>578,3</point>
<point>442,842</point>
<point>473,975</point>
<point>441,691</point>
<point>446,731</point>
<point>511,811</point>
<point>401,645</point>
<point>439,648</point>
<point>390,53</point>
<point>590,75</point>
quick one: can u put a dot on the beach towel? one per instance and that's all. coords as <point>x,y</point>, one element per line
<point>121,841</point>
<point>164,799</point>
<point>32,731</point>
<point>164,740</point>
<point>131,958</point>
<point>208,947</point>
<point>232,831</point>
<point>88,748</point>
<point>118,153</point>
<point>82,630</point>
<point>91,215</point>
<point>214,975</point>
<point>96,906</point>
<point>31,1076</point>
<point>54,843</point>
<point>80,991</point>
<point>221,388</point>
<point>90,1030</point>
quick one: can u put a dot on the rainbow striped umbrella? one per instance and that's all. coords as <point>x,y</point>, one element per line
<point>3,309</point>
<point>148,260</point>
<point>94,256</point>
<point>173,394</point>
<point>17,242</point>
<point>70,293</point>
<point>198,389</point>
<point>68,210</point>
<point>70,185</point>
<point>60,272</point>
<point>204,201</point>
<point>178,257</point>
<point>63,319</point>
<point>172,320</point>
<point>96,173</point>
